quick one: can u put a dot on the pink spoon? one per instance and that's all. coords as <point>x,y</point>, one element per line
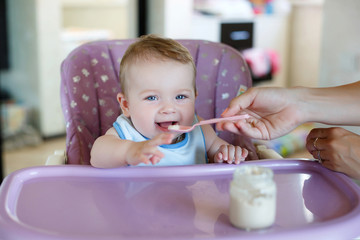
<point>184,129</point>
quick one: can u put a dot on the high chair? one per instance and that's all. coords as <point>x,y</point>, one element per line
<point>188,202</point>
<point>90,83</point>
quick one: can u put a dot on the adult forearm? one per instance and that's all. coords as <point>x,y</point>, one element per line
<point>334,105</point>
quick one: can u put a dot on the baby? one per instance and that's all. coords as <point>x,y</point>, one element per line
<point>157,78</point>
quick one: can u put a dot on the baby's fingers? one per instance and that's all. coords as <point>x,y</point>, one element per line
<point>231,154</point>
<point>153,153</point>
<point>150,154</point>
<point>163,138</point>
<point>218,157</point>
<point>223,154</point>
<point>155,159</point>
<point>240,154</point>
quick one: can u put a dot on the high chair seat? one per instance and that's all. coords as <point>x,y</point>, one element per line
<point>90,83</point>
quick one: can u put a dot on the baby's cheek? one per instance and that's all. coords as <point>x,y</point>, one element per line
<point>189,115</point>
<point>144,125</point>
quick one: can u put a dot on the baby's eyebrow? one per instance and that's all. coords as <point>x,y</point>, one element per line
<point>186,90</point>
<point>149,91</point>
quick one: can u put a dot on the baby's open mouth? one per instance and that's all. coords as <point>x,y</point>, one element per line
<point>166,124</point>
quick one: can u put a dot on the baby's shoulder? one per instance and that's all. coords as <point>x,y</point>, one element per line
<point>112,131</point>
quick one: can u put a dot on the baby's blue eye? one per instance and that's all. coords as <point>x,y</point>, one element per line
<point>151,98</point>
<point>180,97</point>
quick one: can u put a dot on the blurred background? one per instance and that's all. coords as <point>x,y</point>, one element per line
<point>312,43</point>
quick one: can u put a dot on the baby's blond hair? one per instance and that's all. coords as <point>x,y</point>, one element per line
<point>150,47</point>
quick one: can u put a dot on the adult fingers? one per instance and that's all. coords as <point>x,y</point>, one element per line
<point>239,103</point>
<point>317,154</point>
<point>228,126</point>
<point>316,144</point>
<point>317,133</point>
<point>328,165</point>
<point>253,128</point>
<point>316,139</point>
<point>242,128</point>
<point>326,158</point>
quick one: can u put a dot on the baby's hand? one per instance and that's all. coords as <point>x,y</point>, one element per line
<point>147,151</point>
<point>230,154</point>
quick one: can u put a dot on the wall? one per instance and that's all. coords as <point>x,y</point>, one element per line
<point>272,32</point>
<point>340,51</point>
<point>22,52</point>
<point>177,20</point>
<point>170,19</point>
<point>305,45</point>
<point>49,60</point>
<point>102,15</point>
<point>36,49</point>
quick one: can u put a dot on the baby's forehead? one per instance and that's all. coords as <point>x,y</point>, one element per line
<point>156,58</point>
<point>136,67</point>
<point>136,64</point>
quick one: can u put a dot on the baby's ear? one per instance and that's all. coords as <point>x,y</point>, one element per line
<point>124,104</point>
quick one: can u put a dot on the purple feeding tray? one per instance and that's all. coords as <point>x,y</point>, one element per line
<point>186,202</point>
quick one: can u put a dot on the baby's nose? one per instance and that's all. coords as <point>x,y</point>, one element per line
<point>167,108</point>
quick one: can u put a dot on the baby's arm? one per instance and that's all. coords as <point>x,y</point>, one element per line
<point>219,150</point>
<point>110,151</point>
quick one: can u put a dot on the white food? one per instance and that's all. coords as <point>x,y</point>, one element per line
<point>252,198</point>
<point>174,127</point>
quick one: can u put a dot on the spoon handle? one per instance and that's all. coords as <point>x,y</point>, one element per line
<point>216,120</point>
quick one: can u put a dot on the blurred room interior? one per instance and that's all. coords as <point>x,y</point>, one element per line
<point>315,43</point>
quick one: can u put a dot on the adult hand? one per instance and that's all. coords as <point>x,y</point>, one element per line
<point>274,112</point>
<point>338,149</point>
